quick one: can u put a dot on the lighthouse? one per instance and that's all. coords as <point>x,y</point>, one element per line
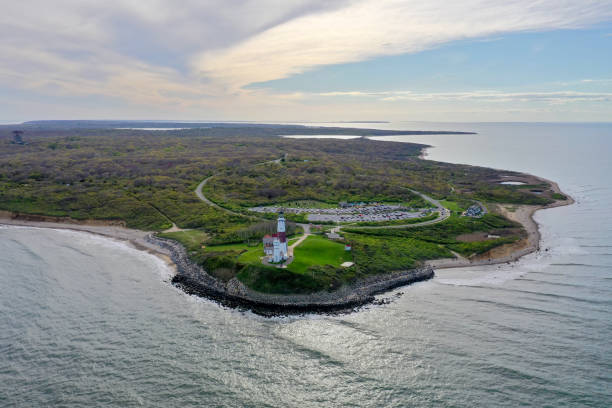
<point>282,236</point>
<point>275,246</point>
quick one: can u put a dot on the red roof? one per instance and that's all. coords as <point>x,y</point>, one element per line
<point>281,236</point>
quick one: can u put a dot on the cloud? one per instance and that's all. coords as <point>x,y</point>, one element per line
<point>482,96</point>
<point>198,54</point>
<point>130,49</point>
<point>373,28</point>
<point>599,80</point>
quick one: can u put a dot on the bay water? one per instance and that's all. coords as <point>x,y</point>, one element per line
<point>88,321</point>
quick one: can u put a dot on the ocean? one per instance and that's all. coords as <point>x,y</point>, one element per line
<point>88,321</point>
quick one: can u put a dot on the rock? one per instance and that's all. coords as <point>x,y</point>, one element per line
<point>192,279</point>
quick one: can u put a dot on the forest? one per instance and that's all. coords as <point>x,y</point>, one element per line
<point>147,178</point>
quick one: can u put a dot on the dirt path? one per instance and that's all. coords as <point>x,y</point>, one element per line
<point>306,234</point>
<point>175,228</point>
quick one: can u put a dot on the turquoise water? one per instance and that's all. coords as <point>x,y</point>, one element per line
<point>87,321</point>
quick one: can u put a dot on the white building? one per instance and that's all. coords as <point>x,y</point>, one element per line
<point>275,246</point>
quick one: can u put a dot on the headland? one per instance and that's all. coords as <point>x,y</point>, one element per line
<point>363,216</point>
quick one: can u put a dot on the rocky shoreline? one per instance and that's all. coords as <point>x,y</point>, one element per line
<point>193,280</point>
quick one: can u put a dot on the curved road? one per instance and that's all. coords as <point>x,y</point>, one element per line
<point>444,213</point>
<point>201,196</point>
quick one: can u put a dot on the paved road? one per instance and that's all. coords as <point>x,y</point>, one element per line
<point>443,212</point>
<point>202,197</point>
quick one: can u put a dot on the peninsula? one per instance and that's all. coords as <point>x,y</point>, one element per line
<point>252,219</point>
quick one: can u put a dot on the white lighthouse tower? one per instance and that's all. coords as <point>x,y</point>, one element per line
<point>275,246</point>
<point>282,236</point>
<point>276,254</point>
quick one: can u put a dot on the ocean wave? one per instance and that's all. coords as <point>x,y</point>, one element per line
<point>164,271</point>
<point>596,246</point>
<point>550,295</point>
<point>581,265</point>
<point>545,282</point>
<point>515,307</point>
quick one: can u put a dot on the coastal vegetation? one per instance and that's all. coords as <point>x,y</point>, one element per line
<point>374,254</point>
<point>451,235</point>
<point>146,180</point>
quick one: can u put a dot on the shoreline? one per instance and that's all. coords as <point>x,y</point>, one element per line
<point>524,215</point>
<point>193,280</point>
<point>112,230</point>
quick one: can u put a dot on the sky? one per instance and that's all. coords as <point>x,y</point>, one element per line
<point>307,60</point>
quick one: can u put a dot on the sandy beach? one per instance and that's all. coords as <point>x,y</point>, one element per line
<point>113,230</point>
<point>522,214</point>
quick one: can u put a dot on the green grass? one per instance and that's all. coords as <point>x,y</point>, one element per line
<point>316,267</point>
<point>190,239</point>
<point>252,255</point>
<point>443,232</point>
<point>227,247</point>
<point>375,254</point>
<point>479,247</point>
<point>268,279</point>
<point>558,196</point>
<point>375,249</point>
<point>245,254</point>
<point>452,205</point>
<point>317,250</point>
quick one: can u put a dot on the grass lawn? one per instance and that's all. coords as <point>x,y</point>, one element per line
<point>190,239</point>
<point>250,255</point>
<point>317,250</point>
<point>452,205</point>
<point>227,247</point>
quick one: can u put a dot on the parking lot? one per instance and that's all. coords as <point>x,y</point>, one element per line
<point>371,213</point>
